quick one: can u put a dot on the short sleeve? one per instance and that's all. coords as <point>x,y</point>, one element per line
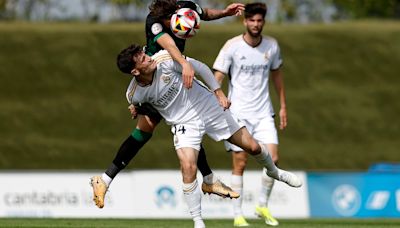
<point>194,6</point>
<point>276,59</point>
<point>224,60</point>
<point>130,92</point>
<point>154,29</point>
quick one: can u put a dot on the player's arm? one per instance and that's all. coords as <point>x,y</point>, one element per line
<point>167,43</point>
<point>207,75</point>
<point>277,79</point>
<point>219,76</point>
<point>230,10</point>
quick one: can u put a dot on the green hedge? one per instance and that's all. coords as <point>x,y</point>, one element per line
<point>62,99</point>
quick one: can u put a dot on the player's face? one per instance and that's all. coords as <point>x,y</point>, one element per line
<point>254,25</point>
<point>144,64</point>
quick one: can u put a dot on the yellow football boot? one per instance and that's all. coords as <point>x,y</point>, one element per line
<point>240,222</point>
<point>264,213</point>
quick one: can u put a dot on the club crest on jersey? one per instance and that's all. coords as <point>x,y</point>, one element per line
<point>166,79</point>
<point>266,56</point>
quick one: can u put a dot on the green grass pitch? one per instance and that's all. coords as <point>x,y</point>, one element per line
<point>214,223</point>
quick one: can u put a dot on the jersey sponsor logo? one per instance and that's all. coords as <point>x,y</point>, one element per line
<point>252,69</point>
<point>156,28</point>
<point>168,96</point>
<point>243,57</point>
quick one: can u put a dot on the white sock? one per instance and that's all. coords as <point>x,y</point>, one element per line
<point>210,178</point>
<point>237,186</point>
<point>106,179</point>
<point>265,159</point>
<point>267,183</point>
<point>192,195</point>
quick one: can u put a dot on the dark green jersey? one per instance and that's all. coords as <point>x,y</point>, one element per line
<point>156,28</point>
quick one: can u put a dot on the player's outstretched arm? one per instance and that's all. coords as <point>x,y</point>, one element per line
<point>167,43</point>
<point>207,75</point>
<point>232,9</point>
<point>222,99</point>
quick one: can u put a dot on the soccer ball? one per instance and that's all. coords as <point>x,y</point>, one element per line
<point>185,23</point>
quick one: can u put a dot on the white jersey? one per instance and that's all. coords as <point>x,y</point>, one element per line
<point>167,94</point>
<point>248,68</point>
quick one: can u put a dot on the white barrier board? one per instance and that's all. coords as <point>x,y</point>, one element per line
<point>137,194</point>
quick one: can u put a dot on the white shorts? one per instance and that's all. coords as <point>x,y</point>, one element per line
<point>220,126</point>
<point>263,130</point>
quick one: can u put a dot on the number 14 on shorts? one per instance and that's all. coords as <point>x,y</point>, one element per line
<point>178,129</point>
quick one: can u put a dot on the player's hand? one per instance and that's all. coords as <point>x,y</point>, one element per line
<point>282,118</point>
<point>222,99</point>
<point>234,9</point>
<point>187,75</point>
<point>133,111</point>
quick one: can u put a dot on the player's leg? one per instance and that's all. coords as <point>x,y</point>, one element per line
<point>191,191</point>
<point>202,164</point>
<point>138,138</point>
<point>267,183</point>
<point>264,131</point>
<point>211,183</point>
<point>239,161</point>
<point>243,139</point>
<point>128,149</point>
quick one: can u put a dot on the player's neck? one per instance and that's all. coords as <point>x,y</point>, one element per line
<point>253,41</point>
<point>145,79</point>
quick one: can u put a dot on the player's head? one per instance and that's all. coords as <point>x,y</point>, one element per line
<point>132,60</point>
<point>125,59</point>
<point>252,9</point>
<point>163,9</point>
<point>254,18</point>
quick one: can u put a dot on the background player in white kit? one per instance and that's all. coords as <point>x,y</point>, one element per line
<point>191,113</point>
<point>251,59</point>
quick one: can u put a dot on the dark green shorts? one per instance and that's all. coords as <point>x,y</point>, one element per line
<point>148,110</point>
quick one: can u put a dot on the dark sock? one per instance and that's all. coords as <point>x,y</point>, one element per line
<point>202,163</point>
<point>129,148</point>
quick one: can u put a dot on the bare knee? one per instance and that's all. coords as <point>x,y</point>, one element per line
<point>189,171</point>
<point>254,148</point>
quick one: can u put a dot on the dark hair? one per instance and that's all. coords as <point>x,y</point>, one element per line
<point>125,60</point>
<point>252,9</point>
<point>163,9</point>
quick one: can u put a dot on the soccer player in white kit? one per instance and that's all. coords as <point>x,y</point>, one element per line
<point>191,113</point>
<point>250,59</point>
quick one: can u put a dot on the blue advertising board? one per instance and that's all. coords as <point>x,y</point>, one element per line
<point>359,195</point>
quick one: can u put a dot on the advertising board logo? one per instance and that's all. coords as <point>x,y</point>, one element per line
<point>165,196</point>
<point>346,200</point>
<point>378,200</point>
